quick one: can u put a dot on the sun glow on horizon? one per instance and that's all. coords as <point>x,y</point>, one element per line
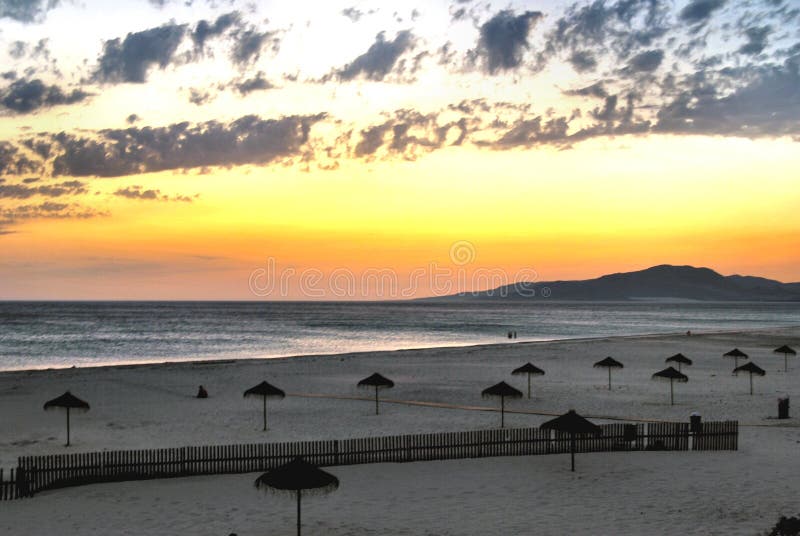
<point>368,139</point>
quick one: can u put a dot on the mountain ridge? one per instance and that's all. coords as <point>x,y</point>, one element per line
<point>661,282</point>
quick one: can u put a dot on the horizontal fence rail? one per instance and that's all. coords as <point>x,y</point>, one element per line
<point>37,473</point>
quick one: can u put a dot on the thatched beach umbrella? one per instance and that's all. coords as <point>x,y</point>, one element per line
<point>672,375</point>
<point>530,370</point>
<point>735,354</point>
<point>69,402</point>
<point>377,382</point>
<point>786,351</point>
<point>503,391</point>
<point>751,368</point>
<point>680,359</point>
<point>572,424</point>
<point>608,363</point>
<point>265,390</point>
<point>296,477</point>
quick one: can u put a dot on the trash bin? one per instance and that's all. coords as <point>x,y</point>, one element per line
<point>695,423</point>
<point>783,408</point>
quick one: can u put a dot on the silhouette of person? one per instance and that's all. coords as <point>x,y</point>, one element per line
<point>202,393</point>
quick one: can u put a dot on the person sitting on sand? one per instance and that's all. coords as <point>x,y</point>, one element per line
<point>202,393</point>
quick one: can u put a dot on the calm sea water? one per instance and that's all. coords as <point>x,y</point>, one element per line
<point>52,334</point>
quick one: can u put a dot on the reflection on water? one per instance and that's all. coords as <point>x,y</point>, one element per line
<point>53,334</point>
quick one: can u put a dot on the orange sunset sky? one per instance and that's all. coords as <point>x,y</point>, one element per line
<point>172,150</point>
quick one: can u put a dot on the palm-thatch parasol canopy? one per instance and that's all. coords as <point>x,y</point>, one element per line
<point>503,391</point>
<point>680,359</point>
<point>265,390</point>
<point>786,351</point>
<point>751,368</point>
<point>530,370</point>
<point>376,381</point>
<point>69,402</point>
<point>572,424</point>
<point>609,363</point>
<point>296,477</point>
<point>672,376</point>
<point>736,354</point>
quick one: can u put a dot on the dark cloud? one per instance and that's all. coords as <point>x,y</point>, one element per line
<point>756,40</point>
<point>206,30</point>
<point>583,61</point>
<point>14,162</point>
<point>372,139</point>
<point>18,49</point>
<point>768,104</point>
<point>458,14</point>
<point>138,192</point>
<point>23,191</point>
<point>130,60</point>
<point>47,210</point>
<point>646,61</point>
<point>379,60</point>
<point>587,31</point>
<point>504,39</point>
<point>408,133</point>
<point>198,97</point>
<point>39,146</point>
<point>26,11</point>
<point>25,96</point>
<point>248,45</point>
<point>352,13</point>
<point>527,132</point>
<point>118,152</point>
<point>699,11</point>
<point>257,83</point>
<point>595,90</point>
<point>131,119</point>
<point>9,75</point>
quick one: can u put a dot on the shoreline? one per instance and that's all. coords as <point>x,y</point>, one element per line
<point>153,406</point>
<point>364,353</point>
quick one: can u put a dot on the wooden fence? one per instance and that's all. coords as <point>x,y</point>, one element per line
<point>10,488</point>
<point>37,473</point>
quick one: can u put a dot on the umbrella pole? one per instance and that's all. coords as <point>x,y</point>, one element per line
<point>298,512</point>
<point>265,413</point>
<point>67,427</point>
<point>502,412</point>
<point>609,378</point>
<point>671,394</point>
<point>376,400</point>
<point>572,450</point>
<point>529,385</point>
<point>786,362</point>
<point>751,384</point>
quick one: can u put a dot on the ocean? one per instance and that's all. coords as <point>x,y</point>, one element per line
<point>35,335</point>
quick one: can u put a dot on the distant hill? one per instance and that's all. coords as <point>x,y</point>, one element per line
<point>664,282</point>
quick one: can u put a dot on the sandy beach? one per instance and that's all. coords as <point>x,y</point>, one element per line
<point>436,389</point>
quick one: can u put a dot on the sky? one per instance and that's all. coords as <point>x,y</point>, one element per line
<point>195,149</point>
